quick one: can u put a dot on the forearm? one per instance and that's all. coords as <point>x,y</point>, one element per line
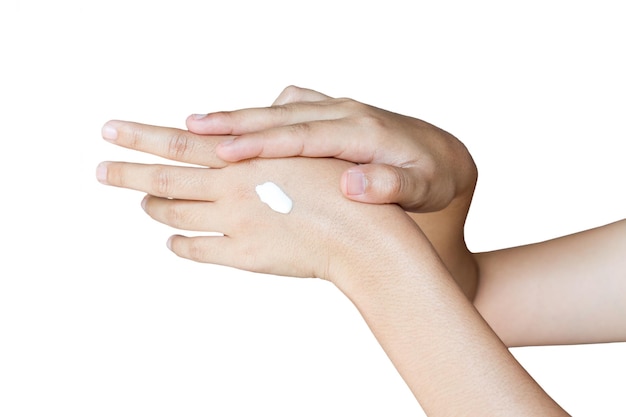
<point>535,294</point>
<point>413,306</point>
<point>451,360</point>
<point>445,228</point>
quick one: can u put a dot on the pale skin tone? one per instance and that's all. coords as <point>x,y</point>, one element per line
<point>422,318</point>
<point>387,267</point>
<point>431,175</point>
<point>433,178</point>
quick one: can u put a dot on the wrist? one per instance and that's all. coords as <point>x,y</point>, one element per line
<point>381,251</point>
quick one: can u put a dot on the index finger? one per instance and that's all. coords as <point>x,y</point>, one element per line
<point>174,144</point>
<point>254,119</point>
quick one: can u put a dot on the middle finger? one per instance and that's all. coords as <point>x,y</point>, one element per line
<point>185,183</point>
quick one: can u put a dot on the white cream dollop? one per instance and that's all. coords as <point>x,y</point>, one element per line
<point>272,195</point>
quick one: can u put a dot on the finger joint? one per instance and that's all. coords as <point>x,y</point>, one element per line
<point>180,145</point>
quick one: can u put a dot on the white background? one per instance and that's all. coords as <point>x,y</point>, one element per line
<point>97,318</point>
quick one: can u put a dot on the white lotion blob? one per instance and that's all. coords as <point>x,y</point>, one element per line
<point>273,196</point>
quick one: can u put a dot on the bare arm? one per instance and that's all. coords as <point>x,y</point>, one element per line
<point>375,254</point>
<point>562,291</point>
<point>450,358</point>
<point>404,160</point>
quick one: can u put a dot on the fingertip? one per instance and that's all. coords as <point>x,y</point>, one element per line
<point>109,131</point>
<point>227,151</point>
<point>189,121</point>
<point>144,202</point>
<point>170,242</point>
<point>102,172</point>
<point>202,124</point>
<point>238,149</point>
<point>194,123</point>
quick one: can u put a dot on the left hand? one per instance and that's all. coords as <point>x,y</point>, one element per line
<point>325,235</point>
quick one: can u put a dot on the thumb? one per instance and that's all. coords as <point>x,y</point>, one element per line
<point>382,184</point>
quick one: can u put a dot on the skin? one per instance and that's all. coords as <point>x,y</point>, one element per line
<point>443,228</point>
<point>568,290</point>
<point>531,295</point>
<point>402,160</point>
<point>394,276</point>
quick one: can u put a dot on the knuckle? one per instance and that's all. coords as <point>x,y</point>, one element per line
<point>350,105</point>
<point>300,129</point>
<point>135,136</point>
<point>291,93</point>
<point>117,175</point>
<point>367,115</point>
<point>278,111</point>
<point>369,118</point>
<point>114,176</point>
<point>195,250</point>
<point>397,183</point>
<point>251,258</point>
<point>373,124</point>
<point>161,182</point>
<point>179,146</point>
<point>403,189</point>
<point>418,187</point>
<point>173,216</point>
<point>242,223</point>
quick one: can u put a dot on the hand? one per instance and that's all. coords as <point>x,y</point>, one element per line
<point>404,160</point>
<point>325,235</point>
<point>374,253</point>
<point>444,228</point>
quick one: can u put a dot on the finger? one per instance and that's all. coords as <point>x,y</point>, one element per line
<point>208,249</point>
<point>226,251</point>
<point>294,94</point>
<point>217,250</point>
<point>182,214</point>
<point>243,121</point>
<point>160,180</point>
<point>381,184</point>
<point>323,138</point>
<point>170,143</point>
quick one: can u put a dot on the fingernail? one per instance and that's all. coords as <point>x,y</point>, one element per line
<point>169,242</point>
<point>143,202</point>
<point>101,172</point>
<point>109,133</point>
<point>198,116</point>
<point>355,183</point>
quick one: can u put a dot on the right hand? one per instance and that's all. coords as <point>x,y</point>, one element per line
<point>403,160</point>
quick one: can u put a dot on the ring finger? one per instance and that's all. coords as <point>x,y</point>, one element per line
<point>197,216</point>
